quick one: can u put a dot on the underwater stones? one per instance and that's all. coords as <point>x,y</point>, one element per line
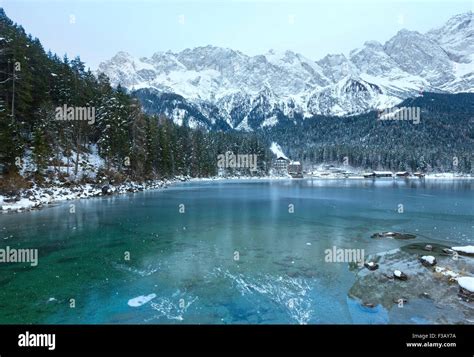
<point>428,260</point>
<point>428,247</point>
<point>371,266</point>
<point>394,235</point>
<point>400,301</point>
<point>451,275</point>
<point>448,251</point>
<point>397,274</point>
<point>424,295</point>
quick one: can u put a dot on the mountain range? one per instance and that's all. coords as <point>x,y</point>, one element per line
<point>221,88</point>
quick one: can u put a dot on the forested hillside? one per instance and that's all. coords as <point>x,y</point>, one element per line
<point>443,140</point>
<point>33,84</point>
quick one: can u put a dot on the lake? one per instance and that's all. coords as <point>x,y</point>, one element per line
<point>221,252</point>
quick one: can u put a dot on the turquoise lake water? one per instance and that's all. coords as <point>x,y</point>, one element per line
<point>236,254</point>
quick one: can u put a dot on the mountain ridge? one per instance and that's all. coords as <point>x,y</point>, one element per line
<point>254,89</point>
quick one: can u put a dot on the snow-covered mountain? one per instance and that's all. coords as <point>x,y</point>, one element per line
<point>209,86</point>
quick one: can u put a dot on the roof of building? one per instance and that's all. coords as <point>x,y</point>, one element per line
<point>383,172</point>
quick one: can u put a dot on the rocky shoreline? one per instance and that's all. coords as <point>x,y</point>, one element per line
<point>39,197</point>
<point>431,272</point>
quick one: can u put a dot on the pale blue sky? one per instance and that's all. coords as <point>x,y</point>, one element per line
<point>312,28</point>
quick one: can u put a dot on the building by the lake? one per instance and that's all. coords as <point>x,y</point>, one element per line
<point>280,165</point>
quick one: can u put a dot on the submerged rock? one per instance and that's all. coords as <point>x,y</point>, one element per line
<point>371,266</point>
<point>448,251</point>
<point>400,300</point>
<point>395,235</point>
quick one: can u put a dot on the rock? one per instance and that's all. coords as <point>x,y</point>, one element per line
<point>466,250</point>
<point>371,265</point>
<point>106,190</point>
<point>368,304</point>
<point>428,247</point>
<point>395,235</point>
<point>448,251</point>
<point>397,274</point>
<point>400,300</point>
<point>466,287</point>
<point>12,199</point>
<point>428,260</point>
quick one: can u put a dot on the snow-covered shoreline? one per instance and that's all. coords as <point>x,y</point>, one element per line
<point>39,197</point>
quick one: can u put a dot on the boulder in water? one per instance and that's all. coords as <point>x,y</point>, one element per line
<point>371,265</point>
<point>397,274</point>
<point>428,260</point>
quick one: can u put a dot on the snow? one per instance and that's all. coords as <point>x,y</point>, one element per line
<point>429,258</point>
<point>446,272</point>
<point>383,172</point>
<point>141,300</point>
<point>38,197</point>
<point>272,121</point>
<point>22,204</point>
<point>466,283</point>
<point>468,249</point>
<point>244,125</point>
<point>277,150</point>
<point>376,76</point>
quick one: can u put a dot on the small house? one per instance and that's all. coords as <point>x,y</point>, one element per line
<point>402,174</point>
